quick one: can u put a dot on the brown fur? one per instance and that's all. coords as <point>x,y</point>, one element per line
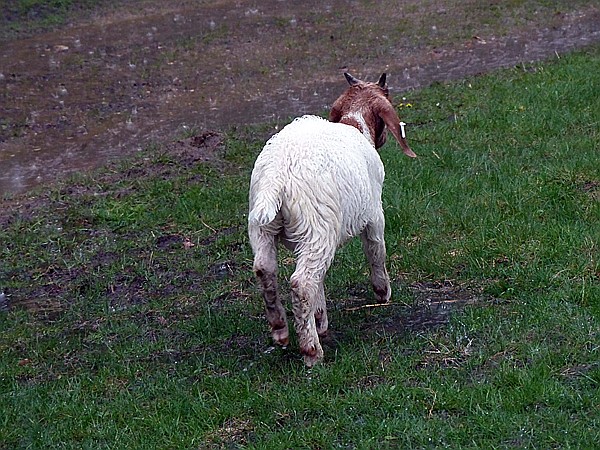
<point>360,97</point>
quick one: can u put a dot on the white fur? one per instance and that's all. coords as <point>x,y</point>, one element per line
<point>312,171</point>
<point>314,185</point>
<point>357,115</point>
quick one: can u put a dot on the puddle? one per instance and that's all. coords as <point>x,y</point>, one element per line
<point>72,99</point>
<point>434,304</point>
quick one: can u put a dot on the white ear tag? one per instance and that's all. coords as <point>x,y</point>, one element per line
<point>402,132</point>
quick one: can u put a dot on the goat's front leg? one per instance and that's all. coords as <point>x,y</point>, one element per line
<point>305,292</point>
<point>265,268</point>
<point>374,246</point>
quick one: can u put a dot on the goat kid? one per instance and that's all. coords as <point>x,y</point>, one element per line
<point>316,184</point>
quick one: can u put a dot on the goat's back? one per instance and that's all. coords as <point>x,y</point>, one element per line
<point>316,174</point>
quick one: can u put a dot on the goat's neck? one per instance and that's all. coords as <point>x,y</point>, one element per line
<point>357,120</point>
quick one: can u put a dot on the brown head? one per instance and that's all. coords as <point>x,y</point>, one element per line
<point>366,106</point>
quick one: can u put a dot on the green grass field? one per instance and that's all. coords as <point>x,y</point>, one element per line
<point>131,318</point>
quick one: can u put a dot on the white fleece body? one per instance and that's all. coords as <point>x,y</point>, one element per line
<point>316,183</point>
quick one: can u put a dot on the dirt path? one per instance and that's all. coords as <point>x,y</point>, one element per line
<point>92,90</point>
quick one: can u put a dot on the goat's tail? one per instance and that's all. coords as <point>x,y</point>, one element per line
<point>266,204</point>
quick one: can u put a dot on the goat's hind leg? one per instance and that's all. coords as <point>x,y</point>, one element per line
<point>265,268</point>
<point>374,247</point>
<point>321,320</point>
<point>308,301</point>
<point>304,301</point>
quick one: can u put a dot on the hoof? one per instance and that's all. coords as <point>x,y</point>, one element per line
<point>383,295</point>
<point>312,356</point>
<point>281,336</point>
<point>322,326</point>
<point>310,361</point>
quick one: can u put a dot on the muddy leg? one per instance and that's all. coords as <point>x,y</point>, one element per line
<point>304,298</point>
<point>321,312</point>
<point>374,247</point>
<point>265,268</point>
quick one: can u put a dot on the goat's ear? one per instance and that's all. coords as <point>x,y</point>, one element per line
<point>351,80</point>
<point>381,81</point>
<point>335,115</point>
<point>392,122</point>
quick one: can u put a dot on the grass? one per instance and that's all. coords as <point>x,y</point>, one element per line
<point>19,17</point>
<point>132,320</point>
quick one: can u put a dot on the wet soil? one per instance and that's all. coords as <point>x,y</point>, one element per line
<point>109,85</point>
<point>432,304</point>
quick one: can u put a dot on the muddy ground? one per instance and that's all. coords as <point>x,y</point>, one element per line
<point>110,83</point>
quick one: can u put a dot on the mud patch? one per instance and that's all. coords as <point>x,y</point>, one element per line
<point>125,293</point>
<point>581,371</point>
<point>592,188</point>
<point>229,298</point>
<point>199,148</point>
<point>218,234</point>
<point>73,98</point>
<point>180,157</point>
<point>222,270</point>
<point>436,301</point>
<point>433,305</point>
<point>208,141</point>
<point>47,292</point>
<point>238,343</point>
<point>235,433</point>
<point>43,302</point>
<point>169,242</point>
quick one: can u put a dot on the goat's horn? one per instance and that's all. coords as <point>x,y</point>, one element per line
<point>351,80</point>
<point>381,81</point>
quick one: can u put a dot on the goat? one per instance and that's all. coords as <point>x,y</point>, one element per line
<point>316,184</point>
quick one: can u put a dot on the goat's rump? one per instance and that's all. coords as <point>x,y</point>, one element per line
<point>315,171</point>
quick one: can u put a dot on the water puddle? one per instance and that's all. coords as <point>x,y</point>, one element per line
<point>72,99</point>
